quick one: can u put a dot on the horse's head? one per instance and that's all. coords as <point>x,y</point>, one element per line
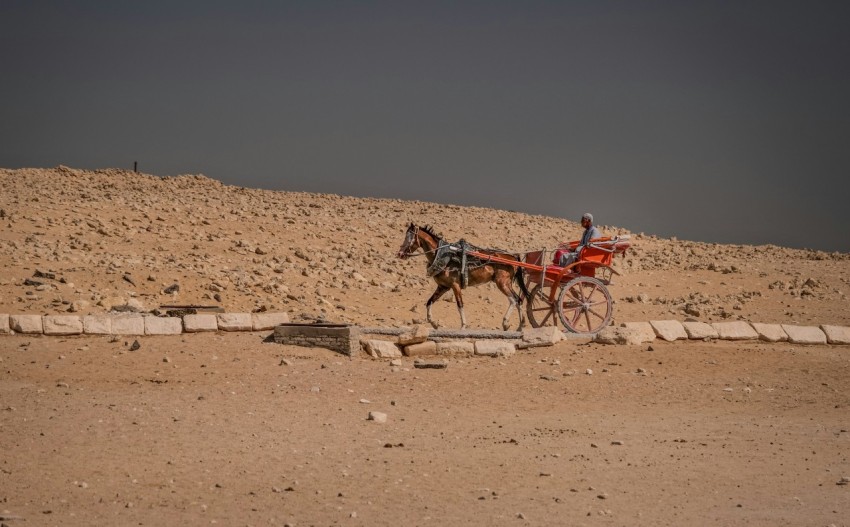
<point>410,243</point>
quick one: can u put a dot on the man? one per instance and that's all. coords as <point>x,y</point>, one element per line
<point>590,232</point>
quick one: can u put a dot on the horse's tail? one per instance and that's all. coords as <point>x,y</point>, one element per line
<point>521,282</point>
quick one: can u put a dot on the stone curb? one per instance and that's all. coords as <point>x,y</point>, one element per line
<point>670,330</point>
<point>136,323</point>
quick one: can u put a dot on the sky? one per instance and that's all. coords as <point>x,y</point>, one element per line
<point>715,121</point>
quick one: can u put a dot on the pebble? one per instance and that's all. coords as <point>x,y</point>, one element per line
<point>588,371</point>
<point>378,417</point>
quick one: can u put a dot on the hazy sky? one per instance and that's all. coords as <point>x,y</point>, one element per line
<point>712,121</point>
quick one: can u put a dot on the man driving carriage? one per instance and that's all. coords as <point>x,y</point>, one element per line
<point>565,257</point>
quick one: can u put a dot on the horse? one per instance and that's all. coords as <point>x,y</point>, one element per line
<point>501,274</point>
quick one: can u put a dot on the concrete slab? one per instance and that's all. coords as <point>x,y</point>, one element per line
<point>804,334</point>
<point>834,334</point>
<point>266,321</point>
<point>163,325</point>
<point>429,347</point>
<point>770,332</point>
<point>699,330</point>
<point>416,335</point>
<point>735,330</point>
<point>644,330</point>
<point>62,325</point>
<point>26,323</point>
<point>382,349</point>
<point>235,321</point>
<point>546,336</point>
<point>97,325</point>
<point>620,335</point>
<point>494,348</point>
<point>668,330</point>
<point>128,325</point>
<point>456,348</point>
<point>200,322</point>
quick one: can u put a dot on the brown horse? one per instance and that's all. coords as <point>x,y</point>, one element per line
<point>450,278</point>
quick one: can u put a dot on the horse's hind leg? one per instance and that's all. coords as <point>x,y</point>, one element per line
<point>459,302</point>
<point>504,285</point>
<point>441,289</point>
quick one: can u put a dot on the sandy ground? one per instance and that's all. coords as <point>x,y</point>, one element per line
<point>217,429</point>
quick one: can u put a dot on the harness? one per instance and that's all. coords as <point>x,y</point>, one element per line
<point>454,256</point>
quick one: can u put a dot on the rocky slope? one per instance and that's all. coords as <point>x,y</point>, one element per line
<point>90,241</point>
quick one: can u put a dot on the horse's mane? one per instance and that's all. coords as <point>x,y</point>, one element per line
<point>430,231</point>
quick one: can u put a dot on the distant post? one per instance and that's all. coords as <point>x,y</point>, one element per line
<point>135,166</point>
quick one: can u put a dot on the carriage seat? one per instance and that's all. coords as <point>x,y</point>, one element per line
<point>598,250</point>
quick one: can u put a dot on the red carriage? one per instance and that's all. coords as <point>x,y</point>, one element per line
<point>576,295</point>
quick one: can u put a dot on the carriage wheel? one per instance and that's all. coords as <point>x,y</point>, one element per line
<point>540,311</point>
<point>585,305</point>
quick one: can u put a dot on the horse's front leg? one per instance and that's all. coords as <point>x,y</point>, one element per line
<point>459,301</point>
<point>441,289</point>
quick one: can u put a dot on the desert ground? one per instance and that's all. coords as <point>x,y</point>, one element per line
<point>229,429</point>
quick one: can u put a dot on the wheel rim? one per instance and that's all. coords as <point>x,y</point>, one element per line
<point>540,311</point>
<point>585,305</point>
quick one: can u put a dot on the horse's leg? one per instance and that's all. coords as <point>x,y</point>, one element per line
<point>503,281</point>
<point>459,302</point>
<point>436,296</point>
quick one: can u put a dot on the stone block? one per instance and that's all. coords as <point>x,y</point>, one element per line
<point>494,348</point>
<point>834,334</point>
<point>735,330</point>
<point>429,347</point>
<point>62,325</point>
<point>620,335</point>
<point>700,330</point>
<point>382,349</point>
<point>545,336</point>
<point>668,330</point>
<point>644,329</point>
<point>26,323</point>
<point>163,325</point>
<point>235,321</point>
<point>200,322</point>
<point>804,334</point>
<point>128,325</point>
<point>770,332</point>
<point>455,348</point>
<point>416,335</point>
<point>97,325</point>
<point>4,324</point>
<point>266,321</point>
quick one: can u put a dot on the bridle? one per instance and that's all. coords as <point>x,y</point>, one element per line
<point>410,238</point>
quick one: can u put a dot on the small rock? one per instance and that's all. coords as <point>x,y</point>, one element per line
<point>135,345</point>
<point>173,288</point>
<point>844,481</point>
<point>588,371</point>
<point>378,417</point>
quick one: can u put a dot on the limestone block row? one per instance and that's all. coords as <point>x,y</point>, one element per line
<point>138,324</point>
<point>672,330</point>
